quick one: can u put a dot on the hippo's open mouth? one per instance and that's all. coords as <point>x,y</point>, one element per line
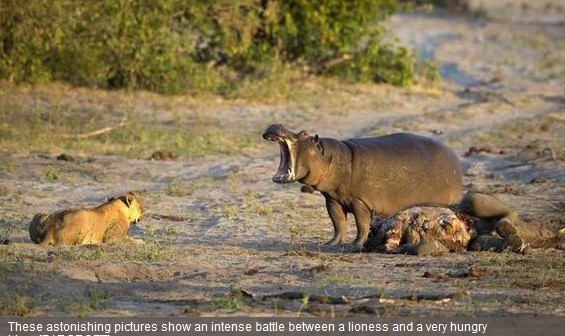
<point>287,140</point>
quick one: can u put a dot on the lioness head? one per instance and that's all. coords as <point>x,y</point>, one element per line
<point>135,211</point>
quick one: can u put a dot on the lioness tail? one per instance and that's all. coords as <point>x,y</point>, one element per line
<point>37,228</point>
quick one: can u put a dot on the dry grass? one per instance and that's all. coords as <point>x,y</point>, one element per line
<point>55,118</point>
<point>58,128</point>
<point>542,135</point>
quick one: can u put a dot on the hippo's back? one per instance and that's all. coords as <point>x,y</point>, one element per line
<point>399,170</point>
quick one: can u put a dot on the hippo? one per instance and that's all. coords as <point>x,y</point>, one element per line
<point>368,177</point>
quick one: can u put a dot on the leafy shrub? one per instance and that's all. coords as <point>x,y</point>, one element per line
<point>175,46</point>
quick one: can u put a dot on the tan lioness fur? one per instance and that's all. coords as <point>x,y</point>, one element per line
<point>105,223</point>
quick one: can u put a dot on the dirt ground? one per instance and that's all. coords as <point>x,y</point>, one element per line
<point>222,239</point>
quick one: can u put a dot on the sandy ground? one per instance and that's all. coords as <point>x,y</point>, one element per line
<point>221,237</point>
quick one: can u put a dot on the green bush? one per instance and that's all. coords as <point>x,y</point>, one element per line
<point>177,46</point>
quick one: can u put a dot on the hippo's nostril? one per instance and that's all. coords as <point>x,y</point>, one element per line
<point>273,132</point>
<point>278,132</point>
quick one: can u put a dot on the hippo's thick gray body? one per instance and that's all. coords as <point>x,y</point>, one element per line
<point>368,176</point>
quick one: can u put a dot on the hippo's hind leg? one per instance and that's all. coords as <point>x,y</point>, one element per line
<point>483,206</point>
<point>521,236</point>
<point>339,220</point>
<point>507,228</point>
<point>493,215</point>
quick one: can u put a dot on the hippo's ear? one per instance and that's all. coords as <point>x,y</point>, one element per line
<point>318,143</point>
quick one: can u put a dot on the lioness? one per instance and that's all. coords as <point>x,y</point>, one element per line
<point>105,223</point>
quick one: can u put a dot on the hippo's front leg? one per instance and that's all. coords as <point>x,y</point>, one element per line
<point>363,222</point>
<point>339,220</point>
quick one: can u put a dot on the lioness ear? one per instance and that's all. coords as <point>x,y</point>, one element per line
<point>129,199</point>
